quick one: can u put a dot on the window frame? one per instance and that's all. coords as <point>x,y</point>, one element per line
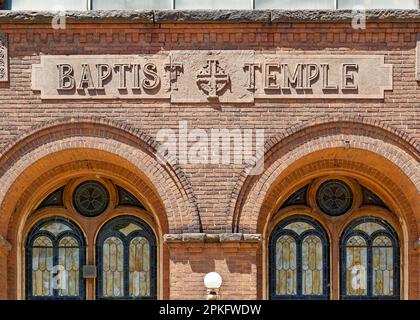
<point>319,231</point>
<point>33,235</point>
<point>389,232</point>
<point>105,232</point>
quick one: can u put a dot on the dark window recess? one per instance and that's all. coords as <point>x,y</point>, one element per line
<point>370,198</point>
<point>128,199</point>
<point>297,198</point>
<point>54,199</point>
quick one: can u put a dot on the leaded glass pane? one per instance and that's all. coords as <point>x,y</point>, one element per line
<point>299,227</point>
<point>312,265</point>
<point>356,267</point>
<point>68,258</point>
<point>42,267</point>
<point>369,227</point>
<point>286,274</point>
<point>139,267</point>
<point>55,228</point>
<point>113,267</point>
<point>129,228</point>
<point>383,266</point>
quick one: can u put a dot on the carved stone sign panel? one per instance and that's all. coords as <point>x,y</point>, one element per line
<point>418,58</point>
<point>4,59</point>
<point>212,76</point>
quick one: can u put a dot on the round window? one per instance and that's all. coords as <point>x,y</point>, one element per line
<point>334,197</point>
<point>90,198</point>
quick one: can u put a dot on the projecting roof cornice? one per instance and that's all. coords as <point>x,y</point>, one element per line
<point>209,16</point>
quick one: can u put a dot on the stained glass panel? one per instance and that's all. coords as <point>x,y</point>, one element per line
<point>113,267</point>
<point>312,265</point>
<point>299,227</point>
<point>299,261</point>
<point>286,266</point>
<point>68,257</point>
<point>371,266</point>
<point>53,269</point>
<point>369,227</point>
<point>139,275</point>
<point>55,228</point>
<point>42,267</point>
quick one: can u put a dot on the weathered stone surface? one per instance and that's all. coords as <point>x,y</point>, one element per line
<point>252,237</point>
<point>206,16</point>
<point>231,237</point>
<point>193,237</point>
<point>212,16</point>
<point>212,237</point>
<point>105,16</point>
<point>172,237</point>
<point>278,16</point>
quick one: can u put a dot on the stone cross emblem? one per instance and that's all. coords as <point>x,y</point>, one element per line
<point>212,79</point>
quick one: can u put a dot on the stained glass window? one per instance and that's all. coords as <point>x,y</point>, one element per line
<point>126,250</point>
<point>299,260</point>
<point>55,256</point>
<point>369,260</point>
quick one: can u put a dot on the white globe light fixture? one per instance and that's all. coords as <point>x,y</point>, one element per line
<point>213,282</point>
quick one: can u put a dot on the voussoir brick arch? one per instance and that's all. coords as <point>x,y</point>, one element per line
<point>117,139</point>
<point>371,139</point>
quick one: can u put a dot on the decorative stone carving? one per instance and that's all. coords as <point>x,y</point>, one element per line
<point>212,79</point>
<point>4,57</point>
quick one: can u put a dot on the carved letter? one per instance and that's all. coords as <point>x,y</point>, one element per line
<point>152,81</point>
<point>295,79</point>
<point>175,70</point>
<point>136,75</point>
<point>312,73</point>
<point>65,77</point>
<point>252,67</point>
<point>349,82</point>
<point>104,71</point>
<point>122,68</point>
<point>269,77</point>
<point>325,81</point>
<point>86,78</point>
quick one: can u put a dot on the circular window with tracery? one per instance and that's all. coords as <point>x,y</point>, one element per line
<point>334,197</point>
<point>90,198</point>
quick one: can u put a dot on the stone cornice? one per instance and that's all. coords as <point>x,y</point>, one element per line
<point>209,16</point>
<point>212,238</point>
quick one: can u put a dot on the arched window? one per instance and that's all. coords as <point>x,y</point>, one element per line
<point>370,260</point>
<point>55,254</point>
<point>126,252</point>
<point>299,260</point>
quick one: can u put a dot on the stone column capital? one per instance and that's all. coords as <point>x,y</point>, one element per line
<point>417,245</point>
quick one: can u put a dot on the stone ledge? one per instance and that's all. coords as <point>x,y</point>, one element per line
<point>212,238</point>
<point>208,16</point>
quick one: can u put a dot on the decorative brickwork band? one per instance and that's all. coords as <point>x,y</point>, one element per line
<point>4,58</point>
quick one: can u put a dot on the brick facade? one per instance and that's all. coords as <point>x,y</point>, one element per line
<point>374,141</point>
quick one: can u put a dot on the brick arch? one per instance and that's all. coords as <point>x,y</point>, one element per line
<point>393,147</point>
<point>130,145</point>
